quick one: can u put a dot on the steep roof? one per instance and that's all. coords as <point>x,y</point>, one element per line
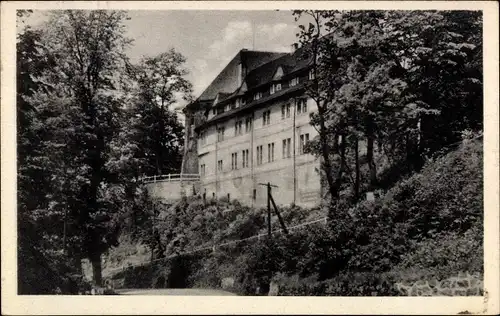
<point>227,81</point>
<point>290,63</point>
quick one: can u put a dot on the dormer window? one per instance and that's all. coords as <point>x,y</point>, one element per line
<point>243,101</point>
<point>294,81</point>
<point>311,74</point>
<point>275,87</point>
<point>257,96</point>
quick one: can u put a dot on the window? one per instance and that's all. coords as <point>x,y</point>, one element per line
<point>254,194</point>
<point>311,74</point>
<point>238,128</point>
<point>257,96</point>
<point>243,101</point>
<point>259,155</point>
<point>213,111</point>
<point>248,124</point>
<point>266,117</point>
<point>220,110</point>
<point>301,106</point>
<point>285,111</point>
<point>304,139</point>
<point>275,87</point>
<point>220,133</point>
<point>234,161</point>
<point>287,153</point>
<point>219,165</point>
<point>270,152</point>
<point>202,170</point>
<point>203,138</point>
<point>294,81</point>
<point>245,158</point>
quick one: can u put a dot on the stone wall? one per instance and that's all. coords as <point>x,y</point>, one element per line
<point>464,284</point>
<point>173,190</point>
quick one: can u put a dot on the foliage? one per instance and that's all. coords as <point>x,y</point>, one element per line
<point>154,128</point>
<point>429,225</point>
<point>407,82</point>
<point>79,160</point>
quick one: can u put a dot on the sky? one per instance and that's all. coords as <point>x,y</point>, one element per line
<point>208,39</point>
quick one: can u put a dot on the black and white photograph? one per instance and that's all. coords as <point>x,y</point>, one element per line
<point>289,152</point>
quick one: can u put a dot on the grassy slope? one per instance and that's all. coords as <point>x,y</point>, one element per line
<point>430,222</point>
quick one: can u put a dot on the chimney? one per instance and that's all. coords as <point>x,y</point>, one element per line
<point>240,74</point>
<point>294,47</point>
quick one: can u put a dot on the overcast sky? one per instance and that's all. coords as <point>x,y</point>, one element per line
<point>208,39</point>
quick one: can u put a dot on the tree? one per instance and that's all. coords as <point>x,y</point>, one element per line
<point>397,79</point>
<point>321,54</point>
<point>160,82</point>
<point>36,242</point>
<point>81,115</point>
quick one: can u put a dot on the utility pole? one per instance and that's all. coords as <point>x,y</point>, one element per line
<point>269,210</point>
<point>269,201</point>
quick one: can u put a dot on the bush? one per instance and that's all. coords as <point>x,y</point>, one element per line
<point>447,253</point>
<point>445,197</point>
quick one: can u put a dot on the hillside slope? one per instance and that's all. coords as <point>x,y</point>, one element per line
<point>428,226</point>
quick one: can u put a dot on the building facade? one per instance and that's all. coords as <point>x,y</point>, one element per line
<point>250,126</point>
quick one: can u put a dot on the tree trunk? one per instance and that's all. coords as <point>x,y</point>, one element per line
<point>334,194</point>
<point>340,173</point>
<point>356,181</point>
<point>369,154</point>
<point>371,163</point>
<point>95,259</point>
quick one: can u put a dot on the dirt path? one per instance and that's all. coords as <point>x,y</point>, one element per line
<point>197,292</point>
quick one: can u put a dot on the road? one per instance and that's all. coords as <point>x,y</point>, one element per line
<point>196,292</point>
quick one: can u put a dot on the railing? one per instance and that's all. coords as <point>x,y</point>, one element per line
<point>176,177</point>
<point>213,248</point>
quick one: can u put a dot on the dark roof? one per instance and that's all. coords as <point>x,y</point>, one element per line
<point>226,81</point>
<point>260,66</point>
<point>254,104</point>
<point>290,63</point>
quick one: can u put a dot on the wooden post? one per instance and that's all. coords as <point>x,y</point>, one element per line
<point>269,209</point>
<point>282,222</point>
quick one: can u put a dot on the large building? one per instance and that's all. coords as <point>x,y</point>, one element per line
<point>249,127</point>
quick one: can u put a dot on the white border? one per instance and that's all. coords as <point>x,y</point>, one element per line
<point>57,305</point>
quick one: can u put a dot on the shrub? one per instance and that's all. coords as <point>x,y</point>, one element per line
<point>447,253</point>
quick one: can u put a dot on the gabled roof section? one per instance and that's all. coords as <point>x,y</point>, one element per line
<point>221,96</point>
<point>278,73</point>
<point>227,80</point>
